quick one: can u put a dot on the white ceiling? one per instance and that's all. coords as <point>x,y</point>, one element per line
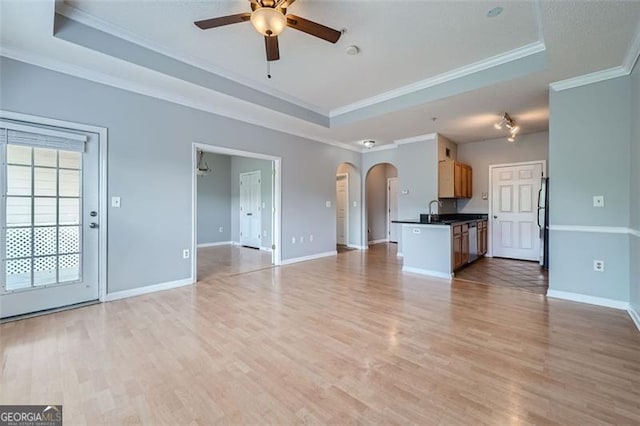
<point>402,42</point>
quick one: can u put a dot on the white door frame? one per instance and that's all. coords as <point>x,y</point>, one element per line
<point>102,190</point>
<point>276,256</point>
<point>490,217</point>
<point>259,206</point>
<point>347,207</point>
<point>389,207</point>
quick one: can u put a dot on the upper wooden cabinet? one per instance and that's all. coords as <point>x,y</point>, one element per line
<point>455,180</point>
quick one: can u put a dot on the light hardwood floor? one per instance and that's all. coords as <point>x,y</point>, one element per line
<point>230,260</point>
<point>517,274</point>
<point>346,339</point>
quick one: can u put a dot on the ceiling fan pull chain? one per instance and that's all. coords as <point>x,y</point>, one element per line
<point>268,69</point>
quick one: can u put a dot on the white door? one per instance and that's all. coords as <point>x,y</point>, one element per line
<point>49,212</point>
<point>250,211</point>
<point>342,208</point>
<point>514,228</point>
<point>392,208</point>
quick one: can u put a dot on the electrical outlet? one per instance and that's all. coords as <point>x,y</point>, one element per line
<point>301,240</point>
<point>311,238</point>
<point>328,204</point>
<point>185,254</point>
<point>355,204</point>
<point>598,265</point>
<point>264,233</point>
<point>293,240</point>
<point>598,201</point>
<point>115,202</point>
<point>220,229</point>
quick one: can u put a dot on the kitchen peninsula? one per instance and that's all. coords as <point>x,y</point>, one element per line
<point>439,247</point>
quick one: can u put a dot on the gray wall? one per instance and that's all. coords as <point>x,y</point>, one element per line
<point>634,210</point>
<point>589,134</point>
<point>480,155</point>
<point>214,200</point>
<point>243,165</point>
<point>355,202</point>
<point>150,141</point>
<point>377,200</point>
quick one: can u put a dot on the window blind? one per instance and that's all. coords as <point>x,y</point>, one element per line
<point>20,134</point>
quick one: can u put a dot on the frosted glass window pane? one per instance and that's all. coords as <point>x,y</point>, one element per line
<point>69,183</point>
<point>44,270</point>
<point>69,159</point>
<point>45,211</point>
<point>45,181</point>
<point>18,211</point>
<point>18,180</point>
<point>69,211</point>
<point>69,268</point>
<point>17,154</point>
<point>18,242</point>
<point>44,157</point>
<point>18,274</point>
<point>69,239</point>
<point>45,240</point>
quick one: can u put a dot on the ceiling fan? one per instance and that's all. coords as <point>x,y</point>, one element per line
<point>269,17</point>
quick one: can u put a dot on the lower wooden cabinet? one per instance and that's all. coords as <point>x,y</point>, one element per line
<point>482,237</point>
<point>460,243</point>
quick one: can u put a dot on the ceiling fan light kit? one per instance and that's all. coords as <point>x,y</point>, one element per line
<point>269,18</point>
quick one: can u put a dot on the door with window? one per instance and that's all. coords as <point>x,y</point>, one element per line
<point>250,211</point>
<point>514,193</point>
<point>49,217</point>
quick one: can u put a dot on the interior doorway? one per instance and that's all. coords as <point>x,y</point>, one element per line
<point>381,204</point>
<point>236,212</point>
<point>348,215</point>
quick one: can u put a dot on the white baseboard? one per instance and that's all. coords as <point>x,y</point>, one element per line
<point>635,316</point>
<point>310,257</point>
<point>427,272</point>
<point>221,243</point>
<point>353,246</point>
<point>399,254</point>
<point>147,289</point>
<point>378,241</point>
<point>267,249</point>
<point>592,300</point>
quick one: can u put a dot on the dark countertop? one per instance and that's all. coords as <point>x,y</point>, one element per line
<point>444,219</point>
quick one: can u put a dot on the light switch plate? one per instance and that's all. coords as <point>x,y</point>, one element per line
<point>115,202</point>
<point>598,265</point>
<point>404,192</point>
<point>355,204</point>
<point>328,203</point>
<point>485,195</point>
<point>598,201</point>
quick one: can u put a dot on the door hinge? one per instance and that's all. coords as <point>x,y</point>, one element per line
<point>273,246</point>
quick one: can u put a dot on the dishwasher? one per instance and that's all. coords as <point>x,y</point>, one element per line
<point>473,241</point>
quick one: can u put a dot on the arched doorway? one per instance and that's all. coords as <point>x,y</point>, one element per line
<point>348,201</point>
<point>381,188</point>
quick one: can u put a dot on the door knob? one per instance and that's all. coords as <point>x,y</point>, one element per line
<point>93,214</point>
<point>495,217</point>
<point>93,225</point>
<point>249,214</point>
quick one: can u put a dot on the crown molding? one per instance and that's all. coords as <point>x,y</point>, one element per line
<point>503,58</point>
<point>160,93</point>
<point>633,53</point>
<point>594,77</point>
<point>379,148</point>
<point>116,31</point>
<point>414,139</point>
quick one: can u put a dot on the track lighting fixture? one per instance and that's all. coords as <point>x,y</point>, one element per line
<point>510,124</point>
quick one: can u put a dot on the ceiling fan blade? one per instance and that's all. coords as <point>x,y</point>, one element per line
<point>222,20</point>
<point>312,28</point>
<point>271,45</point>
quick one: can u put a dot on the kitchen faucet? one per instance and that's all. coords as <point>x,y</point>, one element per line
<point>433,217</point>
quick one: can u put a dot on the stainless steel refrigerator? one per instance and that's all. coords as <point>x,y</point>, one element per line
<point>543,221</point>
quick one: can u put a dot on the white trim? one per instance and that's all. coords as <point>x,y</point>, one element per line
<point>592,300</point>
<point>635,316</point>
<point>379,148</point>
<point>354,246</point>
<point>490,200</point>
<point>373,242</point>
<point>147,289</point>
<point>310,257</point>
<point>267,249</point>
<point>399,254</point>
<point>594,229</point>
<point>348,207</point>
<point>414,139</point>
<point>634,232</point>
<point>500,59</point>
<point>103,175</point>
<point>387,215</point>
<point>89,20</point>
<point>243,217</point>
<point>633,53</point>
<point>420,271</point>
<point>221,243</point>
<point>594,77</point>
<point>44,131</point>
<point>158,92</point>
<point>276,231</point>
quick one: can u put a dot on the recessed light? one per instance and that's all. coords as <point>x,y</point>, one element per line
<point>494,12</point>
<point>369,144</point>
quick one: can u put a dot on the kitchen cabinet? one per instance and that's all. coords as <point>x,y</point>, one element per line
<point>482,237</point>
<point>455,180</point>
<point>460,245</point>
